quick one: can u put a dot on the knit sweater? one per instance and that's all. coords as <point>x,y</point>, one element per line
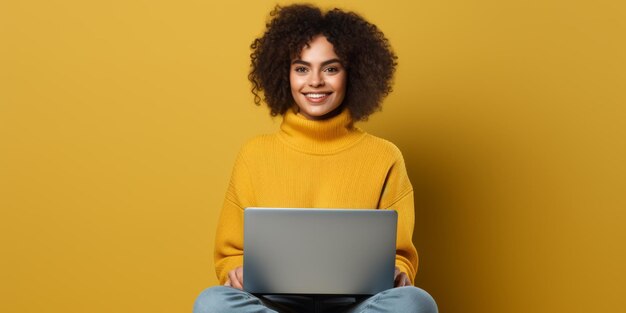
<point>316,164</point>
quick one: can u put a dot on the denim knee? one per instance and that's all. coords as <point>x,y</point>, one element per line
<point>211,300</point>
<point>413,297</point>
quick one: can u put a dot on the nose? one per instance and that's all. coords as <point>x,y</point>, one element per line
<point>316,79</point>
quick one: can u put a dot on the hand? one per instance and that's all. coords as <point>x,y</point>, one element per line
<point>400,279</point>
<point>235,278</point>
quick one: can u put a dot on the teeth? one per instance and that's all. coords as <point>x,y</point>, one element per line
<point>316,95</point>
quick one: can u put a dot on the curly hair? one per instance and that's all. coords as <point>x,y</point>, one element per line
<point>363,49</point>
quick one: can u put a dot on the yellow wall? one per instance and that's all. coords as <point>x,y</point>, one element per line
<point>120,120</point>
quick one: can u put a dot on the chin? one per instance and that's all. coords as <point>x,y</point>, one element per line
<point>319,113</point>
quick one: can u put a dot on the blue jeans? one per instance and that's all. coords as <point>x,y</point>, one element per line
<point>222,299</point>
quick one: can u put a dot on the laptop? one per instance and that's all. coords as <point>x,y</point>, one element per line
<point>319,251</point>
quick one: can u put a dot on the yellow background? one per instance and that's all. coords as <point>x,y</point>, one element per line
<point>120,121</point>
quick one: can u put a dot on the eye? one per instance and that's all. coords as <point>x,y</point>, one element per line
<point>332,69</point>
<point>300,69</point>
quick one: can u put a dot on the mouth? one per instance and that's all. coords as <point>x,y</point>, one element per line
<point>317,97</point>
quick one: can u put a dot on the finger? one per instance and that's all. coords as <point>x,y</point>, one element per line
<point>402,280</point>
<point>227,283</point>
<point>397,282</point>
<point>407,280</point>
<point>234,282</point>
<point>239,274</point>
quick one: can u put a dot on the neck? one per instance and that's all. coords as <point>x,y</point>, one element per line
<point>326,136</point>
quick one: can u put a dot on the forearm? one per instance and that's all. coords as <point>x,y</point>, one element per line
<point>228,240</point>
<point>406,254</point>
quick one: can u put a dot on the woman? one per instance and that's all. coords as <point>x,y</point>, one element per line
<point>321,72</point>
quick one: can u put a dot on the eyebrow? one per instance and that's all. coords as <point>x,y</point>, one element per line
<point>323,63</point>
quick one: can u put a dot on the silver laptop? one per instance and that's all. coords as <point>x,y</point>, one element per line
<point>319,251</point>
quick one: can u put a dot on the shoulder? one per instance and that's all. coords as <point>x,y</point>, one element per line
<point>257,145</point>
<point>258,142</point>
<point>382,147</point>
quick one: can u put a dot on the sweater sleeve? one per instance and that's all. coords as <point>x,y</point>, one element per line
<point>397,195</point>
<point>228,252</point>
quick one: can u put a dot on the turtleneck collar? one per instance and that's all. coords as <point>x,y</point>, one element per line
<point>319,137</point>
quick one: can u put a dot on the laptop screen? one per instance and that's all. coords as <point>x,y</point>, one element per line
<point>319,251</point>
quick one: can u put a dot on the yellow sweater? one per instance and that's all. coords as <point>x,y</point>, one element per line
<point>316,164</point>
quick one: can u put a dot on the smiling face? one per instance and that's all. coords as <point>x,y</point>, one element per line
<point>318,80</point>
